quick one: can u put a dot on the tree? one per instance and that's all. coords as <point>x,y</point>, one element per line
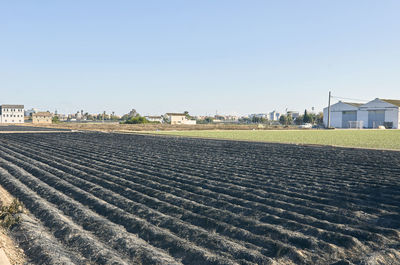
<point>131,114</point>
<point>283,119</point>
<point>289,119</point>
<point>286,119</point>
<point>244,120</point>
<point>208,119</point>
<point>307,118</point>
<point>187,115</point>
<point>136,120</point>
<point>256,119</point>
<point>55,119</point>
<point>165,119</point>
<point>299,120</point>
<point>319,118</point>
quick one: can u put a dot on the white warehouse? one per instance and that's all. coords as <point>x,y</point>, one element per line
<point>341,114</point>
<point>378,112</point>
<point>12,114</point>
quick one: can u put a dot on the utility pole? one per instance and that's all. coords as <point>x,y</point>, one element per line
<point>329,110</point>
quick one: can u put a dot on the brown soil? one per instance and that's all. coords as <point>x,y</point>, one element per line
<point>116,127</point>
<point>13,252</point>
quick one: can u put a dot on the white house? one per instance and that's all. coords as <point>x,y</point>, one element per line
<point>342,113</point>
<point>12,114</point>
<point>380,112</point>
<point>180,118</point>
<point>42,117</point>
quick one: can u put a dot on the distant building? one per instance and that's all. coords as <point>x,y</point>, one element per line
<point>62,117</point>
<point>274,116</point>
<point>224,119</point>
<point>42,117</point>
<point>259,115</point>
<point>12,113</point>
<point>377,112</point>
<point>293,114</point>
<point>29,112</point>
<point>179,118</point>
<point>154,118</point>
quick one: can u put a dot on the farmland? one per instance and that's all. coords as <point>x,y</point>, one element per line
<point>380,139</point>
<point>99,198</point>
<point>24,129</point>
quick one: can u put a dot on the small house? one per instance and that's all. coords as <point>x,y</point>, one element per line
<point>180,118</point>
<point>42,117</point>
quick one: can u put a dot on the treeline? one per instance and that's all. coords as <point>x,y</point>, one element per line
<point>133,117</point>
<point>307,117</point>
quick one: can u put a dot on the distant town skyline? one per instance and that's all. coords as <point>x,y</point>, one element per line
<point>234,57</point>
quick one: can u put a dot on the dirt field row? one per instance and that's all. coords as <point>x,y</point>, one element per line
<point>122,199</point>
<point>10,253</point>
<point>23,128</point>
<point>116,127</point>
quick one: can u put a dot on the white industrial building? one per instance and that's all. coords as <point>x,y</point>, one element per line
<point>11,113</point>
<point>378,112</point>
<point>341,114</point>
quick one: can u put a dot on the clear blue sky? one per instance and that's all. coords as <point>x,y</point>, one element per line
<point>232,56</point>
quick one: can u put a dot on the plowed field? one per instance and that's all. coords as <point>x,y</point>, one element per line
<point>99,198</point>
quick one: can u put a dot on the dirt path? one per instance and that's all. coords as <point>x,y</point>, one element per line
<point>14,254</point>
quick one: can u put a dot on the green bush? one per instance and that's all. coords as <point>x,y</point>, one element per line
<point>9,214</point>
<point>136,120</point>
<point>55,119</point>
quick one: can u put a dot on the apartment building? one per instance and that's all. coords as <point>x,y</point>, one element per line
<point>11,114</point>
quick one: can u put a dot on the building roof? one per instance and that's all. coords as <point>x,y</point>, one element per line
<point>353,104</point>
<point>12,106</point>
<point>47,114</point>
<point>176,114</point>
<point>392,101</point>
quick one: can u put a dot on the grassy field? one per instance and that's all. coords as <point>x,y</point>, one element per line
<point>381,139</point>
